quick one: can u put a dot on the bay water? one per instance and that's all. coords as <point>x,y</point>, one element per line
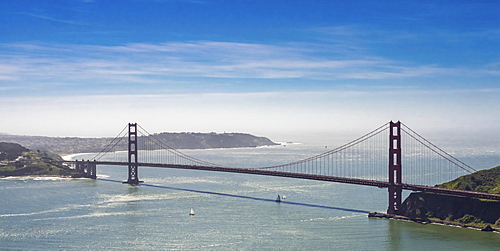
<point>232,211</point>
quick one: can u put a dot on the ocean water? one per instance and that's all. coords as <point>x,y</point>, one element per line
<point>232,211</point>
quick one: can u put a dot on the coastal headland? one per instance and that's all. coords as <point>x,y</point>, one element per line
<point>455,211</point>
<point>70,145</point>
<point>16,160</point>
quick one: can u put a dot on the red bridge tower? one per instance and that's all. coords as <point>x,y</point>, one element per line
<point>395,180</point>
<point>133,178</point>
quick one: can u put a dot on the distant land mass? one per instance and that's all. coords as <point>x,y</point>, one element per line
<point>69,145</point>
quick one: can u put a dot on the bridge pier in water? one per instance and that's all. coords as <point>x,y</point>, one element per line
<point>133,176</point>
<point>91,169</point>
<point>395,175</point>
<point>87,168</point>
<point>79,166</point>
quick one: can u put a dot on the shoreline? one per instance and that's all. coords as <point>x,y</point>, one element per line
<point>487,228</point>
<point>71,156</point>
<point>36,177</point>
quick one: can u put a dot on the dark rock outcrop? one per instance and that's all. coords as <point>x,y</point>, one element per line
<point>450,208</point>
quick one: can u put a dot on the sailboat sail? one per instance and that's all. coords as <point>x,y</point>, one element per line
<point>278,199</point>
<point>192,212</point>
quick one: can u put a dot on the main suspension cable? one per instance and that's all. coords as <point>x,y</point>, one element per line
<point>438,150</point>
<point>336,150</point>
<point>164,146</point>
<point>111,145</point>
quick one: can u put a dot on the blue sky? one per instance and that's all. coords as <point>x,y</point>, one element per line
<point>264,67</point>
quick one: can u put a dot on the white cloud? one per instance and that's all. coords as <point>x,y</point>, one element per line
<point>203,69</point>
<point>38,64</point>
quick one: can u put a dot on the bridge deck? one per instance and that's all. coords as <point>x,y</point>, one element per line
<point>380,184</point>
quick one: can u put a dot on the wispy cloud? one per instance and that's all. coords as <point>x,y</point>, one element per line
<point>357,37</point>
<point>45,17</point>
<point>38,64</point>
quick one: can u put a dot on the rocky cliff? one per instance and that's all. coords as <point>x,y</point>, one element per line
<point>458,210</point>
<point>449,208</point>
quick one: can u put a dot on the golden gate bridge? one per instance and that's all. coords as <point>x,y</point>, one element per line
<point>392,156</point>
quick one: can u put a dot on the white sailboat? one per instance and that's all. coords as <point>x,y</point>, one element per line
<point>191,212</point>
<point>278,199</point>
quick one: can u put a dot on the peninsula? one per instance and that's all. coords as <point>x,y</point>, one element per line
<point>69,145</point>
<point>16,160</point>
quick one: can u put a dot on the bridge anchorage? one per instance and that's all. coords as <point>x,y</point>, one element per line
<point>362,161</point>
<point>87,168</point>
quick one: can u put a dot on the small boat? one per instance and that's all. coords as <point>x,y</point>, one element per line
<point>283,197</point>
<point>278,199</point>
<point>191,212</point>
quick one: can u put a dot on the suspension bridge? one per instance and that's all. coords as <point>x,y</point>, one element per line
<point>374,159</point>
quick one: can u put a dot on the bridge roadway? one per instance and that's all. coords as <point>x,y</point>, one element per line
<point>379,184</point>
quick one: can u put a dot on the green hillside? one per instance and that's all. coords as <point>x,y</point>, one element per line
<point>459,211</point>
<point>487,181</point>
<point>16,160</point>
<point>10,151</point>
